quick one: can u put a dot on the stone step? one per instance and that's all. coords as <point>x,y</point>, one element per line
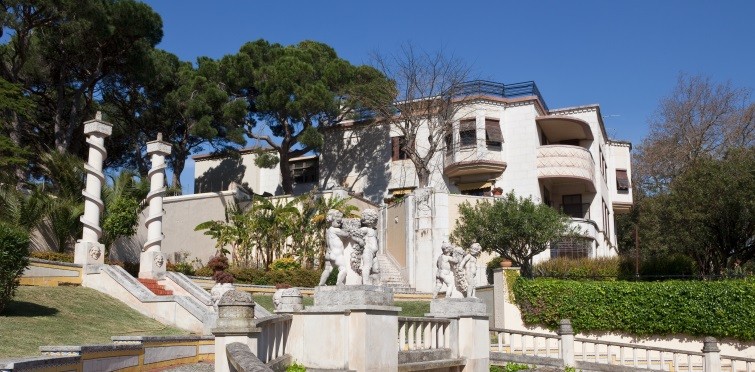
<point>155,287</point>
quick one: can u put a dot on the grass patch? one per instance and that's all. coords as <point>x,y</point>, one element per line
<point>408,308</point>
<point>40,316</point>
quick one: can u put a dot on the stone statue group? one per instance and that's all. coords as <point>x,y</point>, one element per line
<point>457,270</point>
<point>352,246</point>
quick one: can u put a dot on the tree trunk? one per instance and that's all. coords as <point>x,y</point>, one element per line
<point>423,177</point>
<point>287,179</point>
<point>178,167</point>
<point>15,137</point>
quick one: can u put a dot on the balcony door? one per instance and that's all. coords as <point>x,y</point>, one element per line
<point>572,205</point>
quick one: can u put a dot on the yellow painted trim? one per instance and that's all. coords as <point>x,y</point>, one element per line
<point>111,354</point>
<point>49,281</point>
<point>176,362</point>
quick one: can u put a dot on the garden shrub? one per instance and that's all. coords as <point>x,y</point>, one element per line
<point>14,251</point>
<point>659,266</point>
<point>185,268</point>
<point>724,308</point>
<point>52,256</point>
<point>285,263</point>
<point>579,268</point>
<point>293,277</point>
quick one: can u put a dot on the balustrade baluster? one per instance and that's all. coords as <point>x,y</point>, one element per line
<point>500,341</point>
<point>660,356</point>
<point>417,335</point>
<point>689,363</point>
<point>401,333</point>
<point>621,355</point>
<point>584,351</point>
<point>647,358</point>
<point>433,334</point>
<point>634,356</point>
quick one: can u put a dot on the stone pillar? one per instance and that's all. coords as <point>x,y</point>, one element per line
<point>352,327</point>
<point>470,330</point>
<point>88,250</point>
<point>422,216</point>
<point>235,324</point>
<point>567,342</point>
<point>152,260</point>
<point>711,356</point>
<point>506,314</point>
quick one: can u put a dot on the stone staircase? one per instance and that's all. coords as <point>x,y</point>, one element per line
<point>390,275</point>
<point>155,287</point>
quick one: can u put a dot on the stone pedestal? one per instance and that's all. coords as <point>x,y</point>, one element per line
<point>348,328</point>
<point>470,327</point>
<point>235,324</point>
<point>152,265</point>
<point>287,300</point>
<point>89,253</point>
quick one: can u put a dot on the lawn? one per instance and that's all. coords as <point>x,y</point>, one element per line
<point>68,316</point>
<point>408,308</point>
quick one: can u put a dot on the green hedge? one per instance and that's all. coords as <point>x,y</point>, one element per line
<point>14,249</point>
<point>612,268</point>
<point>723,308</point>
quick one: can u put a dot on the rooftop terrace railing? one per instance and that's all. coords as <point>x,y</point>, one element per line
<point>475,87</point>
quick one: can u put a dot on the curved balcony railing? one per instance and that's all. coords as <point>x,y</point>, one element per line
<point>565,161</point>
<point>461,161</point>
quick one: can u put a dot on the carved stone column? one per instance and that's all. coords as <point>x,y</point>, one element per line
<point>152,260</point>
<point>88,250</point>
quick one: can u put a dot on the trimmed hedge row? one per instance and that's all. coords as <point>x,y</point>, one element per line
<point>723,308</point>
<point>612,268</point>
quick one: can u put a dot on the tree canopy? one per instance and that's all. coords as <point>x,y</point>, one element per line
<point>514,227</point>
<point>296,91</point>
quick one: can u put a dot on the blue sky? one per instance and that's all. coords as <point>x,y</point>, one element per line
<point>623,55</point>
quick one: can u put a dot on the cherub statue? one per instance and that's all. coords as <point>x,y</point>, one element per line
<point>468,266</point>
<point>334,256</point>
<point>445,273</point>
<point>370,267</point>
<point>460,276</point>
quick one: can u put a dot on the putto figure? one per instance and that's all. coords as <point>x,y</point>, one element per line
<point>334,254</point>
<point>468,266</point>
<point>370,268</point>
<point>445,275</point>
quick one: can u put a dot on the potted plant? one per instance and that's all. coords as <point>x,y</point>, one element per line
<point>223,280</point>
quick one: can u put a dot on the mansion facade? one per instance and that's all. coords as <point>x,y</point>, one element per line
<point>504,139</point>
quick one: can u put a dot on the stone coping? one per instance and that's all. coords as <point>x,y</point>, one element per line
<point>41,362</point>
<point>349,308</point>
<point>432,365</point>
<point>78,349</point>
<point>187,338</point>
<point>57,263</point>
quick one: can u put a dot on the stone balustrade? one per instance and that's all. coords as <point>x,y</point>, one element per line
<point>423,333</point>
<point>563,349</point>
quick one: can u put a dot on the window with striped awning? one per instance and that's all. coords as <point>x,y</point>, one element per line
<point>493,135</point>
<point>622,180</point>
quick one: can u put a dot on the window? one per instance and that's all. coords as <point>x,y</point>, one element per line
<point>449,143</point>
<point>606,224</point>
<point>573,142</point>
<point>305,171</point>
<point>603,166</point>
<point>622,181</point>
<point>571,205</point>
<point>571,248</point>
<point>467,134</point>
<point>493,135</point>
<point>398,148</point>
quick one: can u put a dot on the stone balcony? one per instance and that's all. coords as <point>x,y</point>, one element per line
<point>566,164</point>
<point>474,163</point>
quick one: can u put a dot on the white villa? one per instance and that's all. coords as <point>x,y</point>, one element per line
<point>505,139</point>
